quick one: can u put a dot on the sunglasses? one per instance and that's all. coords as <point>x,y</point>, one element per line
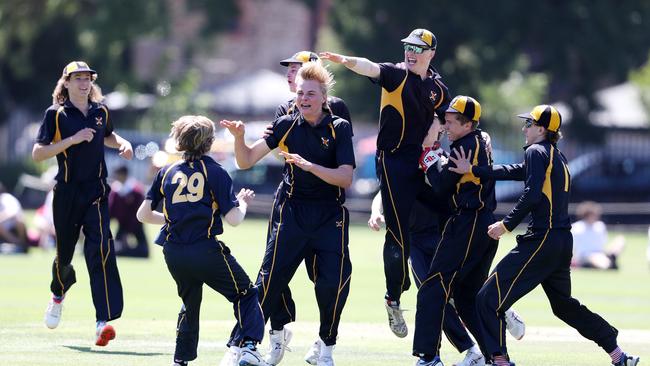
<point>529,122</point>
<point>415,49</point>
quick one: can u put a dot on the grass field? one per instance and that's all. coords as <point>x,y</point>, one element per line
<point>146,331</point>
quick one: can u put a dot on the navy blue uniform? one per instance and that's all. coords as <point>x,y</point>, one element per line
<point>543,253</point>
<point>309,217</point>
<point>465,253</point>
<point>194,196</point>
<point>425,236</point>
<point>81,200</point>
<point>408,104</point>
<point>337,106</point>
<point>285,312</point>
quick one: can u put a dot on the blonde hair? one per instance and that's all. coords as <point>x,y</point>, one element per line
<point>194,136</point>
<point>316,71</point>
<point>60,93</point>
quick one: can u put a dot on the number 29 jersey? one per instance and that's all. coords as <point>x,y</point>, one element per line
<point>194,196</point>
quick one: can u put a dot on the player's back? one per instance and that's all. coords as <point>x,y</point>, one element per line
<point>195,195</point>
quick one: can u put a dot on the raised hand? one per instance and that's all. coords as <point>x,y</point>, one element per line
<point>246,195</point>
<point>236,128</point>
<point>333,57</point>
<point>461,161</point>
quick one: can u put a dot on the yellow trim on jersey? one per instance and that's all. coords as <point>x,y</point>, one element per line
<point>333,132</point>
<point>547,189</point>
<point>394,99</point>
<point>164,207</point>
<point>215,204</point>
<point>442,94</point>
<point>285,148</point>
<point>57,138</point>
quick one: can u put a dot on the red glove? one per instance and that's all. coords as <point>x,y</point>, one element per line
<point>430,156</point>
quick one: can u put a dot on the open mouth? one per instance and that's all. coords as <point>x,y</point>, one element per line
<point>411,60</point>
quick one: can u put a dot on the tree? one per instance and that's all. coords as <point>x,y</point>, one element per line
<point>581,46</point>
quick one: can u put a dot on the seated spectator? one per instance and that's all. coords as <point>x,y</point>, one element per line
<point>13,234</point>
<point>126,196</point>
<point>44,222</point>
<point>590,249</point>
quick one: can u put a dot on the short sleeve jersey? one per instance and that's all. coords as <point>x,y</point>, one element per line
<point>194,196</point>
<point>84,161</point>
<point>408,104</point>
<point>328,144</point>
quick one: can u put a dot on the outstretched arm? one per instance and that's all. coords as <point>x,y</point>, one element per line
<point>360,65</point>
<point>246,156</point>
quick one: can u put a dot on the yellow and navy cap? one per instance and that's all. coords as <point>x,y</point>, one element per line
<point>300,58</point>
<point>467,106</point>
<point>421,37</point>
<point>546,116</point>
<point>77,66</point>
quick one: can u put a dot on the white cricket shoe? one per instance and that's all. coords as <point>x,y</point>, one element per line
<point>472,358</point>
<point>278,343</point>
<point>325,356</point>
<point>53,313</point>
<point>231,357</point>
<point>515,324</point>
<point>396,320</point>
<point>251,357</point>
<point>435,362</point>
<point>311,357</point>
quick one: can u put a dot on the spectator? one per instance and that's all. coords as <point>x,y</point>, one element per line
<point>44,222</point>
<point>126,196</point>
<point>13,235</point>
<point>590,249</point>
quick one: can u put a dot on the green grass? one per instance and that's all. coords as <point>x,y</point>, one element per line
<point>146,331</point>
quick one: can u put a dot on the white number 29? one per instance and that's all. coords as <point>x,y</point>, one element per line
<point>194,187</point>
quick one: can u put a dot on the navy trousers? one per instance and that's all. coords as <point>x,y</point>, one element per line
<point>210,262</point>
<point>78,206</point>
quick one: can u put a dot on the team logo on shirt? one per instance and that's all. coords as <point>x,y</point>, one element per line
<point>339,223</point>
<point>325,142</point>
<point>99,121</point>
<point>433,96</point>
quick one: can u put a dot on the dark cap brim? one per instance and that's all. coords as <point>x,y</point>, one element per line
<point>525,116</point>
<point>290,60</point>
<point>91,71</point>
<point>416,41</point>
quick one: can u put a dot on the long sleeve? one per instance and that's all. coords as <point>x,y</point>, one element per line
<point>535,167</point>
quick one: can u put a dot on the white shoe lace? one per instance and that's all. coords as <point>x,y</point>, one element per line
<point>396,321</point>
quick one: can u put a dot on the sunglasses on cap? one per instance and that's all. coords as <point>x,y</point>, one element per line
<point>415,49</point>
<point>528,122</point>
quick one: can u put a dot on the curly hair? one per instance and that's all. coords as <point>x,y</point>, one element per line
<point>60,93</point>
<point>194,136</point>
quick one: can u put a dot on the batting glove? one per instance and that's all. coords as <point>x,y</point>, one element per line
<point>430,156</point>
